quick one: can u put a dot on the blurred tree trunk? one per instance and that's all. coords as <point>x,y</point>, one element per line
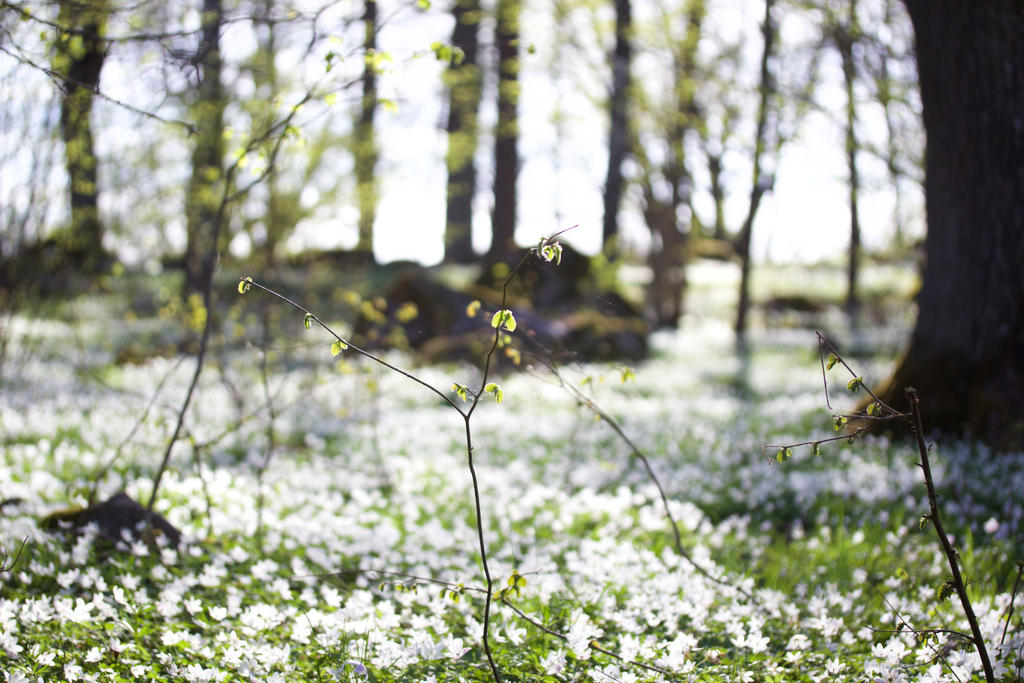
<point>506,136</point>
<point>80,53</point>
<point>717,195</point>
<point>464,81</point>
<point>667,211</point>
<point>365,142</point>
<point>884,94</point>
<point>618,135</point>
<point>845,34</point>
<point>275,221</point>
<point>964,356</point>
<point>204,200</point>
<point>667,259</point>
<point>760,182</point>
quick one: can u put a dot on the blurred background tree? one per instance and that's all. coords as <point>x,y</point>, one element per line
<point>504,214</point>
<point>204,196</point>
<point>364,139</point>
<point>463,80</point>
<point>79,52</point>
<point>964,354</point>
<point>618,115</point>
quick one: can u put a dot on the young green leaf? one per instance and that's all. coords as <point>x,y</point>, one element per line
<point>815,448</point>
<point>442,52</point>
<point>628,374</point>
<point>515,582</point>
<point>551,251</point>
<point>473,308</point>
<point>504,319</point>
<point>308,320</point>
<point>461,390</point>
<point>496,391</point>
<point>873,408</point>
<point>854,384</point>
<point>337,347</point>
<point>244,285</point>
<point>831,361</point>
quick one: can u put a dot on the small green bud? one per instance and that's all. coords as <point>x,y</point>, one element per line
<point>461,390</point>
<point>505,319</point>
<point>496,391</point>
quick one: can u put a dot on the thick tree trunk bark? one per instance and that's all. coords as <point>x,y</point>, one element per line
<point>965,355</point>
<point>617,135</point>
<point>80,54</point>
<point>506,137</point>
<point>465,85</point>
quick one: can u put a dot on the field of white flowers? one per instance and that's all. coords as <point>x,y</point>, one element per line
<point>330,535</point>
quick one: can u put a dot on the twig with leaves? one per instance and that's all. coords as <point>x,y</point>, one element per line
<point>504,323</point>
<point>878,410</point>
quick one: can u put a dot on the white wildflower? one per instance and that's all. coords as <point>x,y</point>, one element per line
<point>581,632</point>
<point>554,663</point>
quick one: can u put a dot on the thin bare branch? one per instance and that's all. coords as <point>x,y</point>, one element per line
<point>592,405</point>
<point>60,79</point>
<point>1013,596</point>
<point>592,644</point>
<point>939,654</point>
<point>313,318</point>
<point>947,547</point>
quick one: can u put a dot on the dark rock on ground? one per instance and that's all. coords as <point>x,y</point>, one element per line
<point>114,516</point>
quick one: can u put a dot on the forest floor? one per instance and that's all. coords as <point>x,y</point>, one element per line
<point>329,526</point>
